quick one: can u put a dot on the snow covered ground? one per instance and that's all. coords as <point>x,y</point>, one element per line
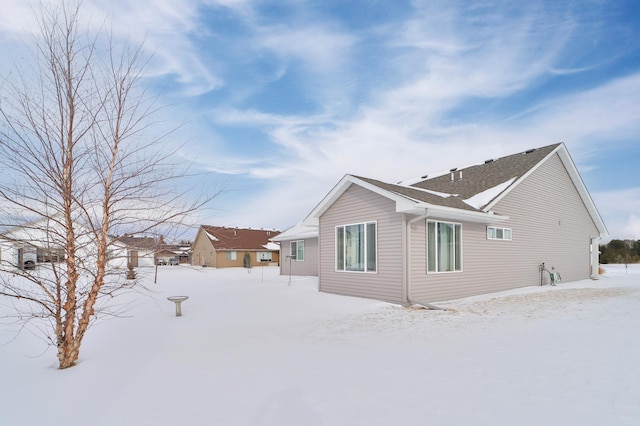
<point>250,349</point>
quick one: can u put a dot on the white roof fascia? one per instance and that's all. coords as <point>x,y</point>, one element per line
<point>312,218</point>
<point>461,215</point>
<point>572,170</point>
<point>403,204</point>
<point>582,191</point>
<point>522,178</point>
<point>297,232</point>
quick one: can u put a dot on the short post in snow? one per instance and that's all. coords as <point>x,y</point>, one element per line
<point>178,301</point>
<point>290,258</point>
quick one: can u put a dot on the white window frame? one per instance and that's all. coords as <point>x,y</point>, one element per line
<point>457,258</point>
<point>497,233</point>
<point>264,256</point>
<point>299,247</point>
<point>369,266</point>
<point>231,255</point>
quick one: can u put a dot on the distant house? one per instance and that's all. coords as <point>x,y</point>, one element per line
<point>150,251</point>
<point>141,250</point>
<point>17,254</point>
<point>182,252</point>
<point>490,227</point>
<point>298,250</point>
<point>171,254</point>
<point>223,247</point>
<point>41,241</point>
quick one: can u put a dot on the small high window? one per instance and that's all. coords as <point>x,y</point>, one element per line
<point>494,233</point>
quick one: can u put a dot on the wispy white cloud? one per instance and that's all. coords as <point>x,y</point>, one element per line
<point>163,27</point>
<point>438,61</point>
<point>321,49</point>
<point>451,83</point>
<point>166,29</point>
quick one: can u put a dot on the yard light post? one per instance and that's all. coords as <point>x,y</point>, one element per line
<point>291,258</point>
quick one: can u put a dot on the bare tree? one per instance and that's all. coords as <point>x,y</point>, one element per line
<point>79,158</point>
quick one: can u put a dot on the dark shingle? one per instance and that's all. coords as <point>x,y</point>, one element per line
<point>481,177</point>
<point>420,195</point>
<point>239,238</point>
<point>475,180</point>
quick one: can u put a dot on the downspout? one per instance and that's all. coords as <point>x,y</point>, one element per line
<point>594,258</point>
<point>408,267</point>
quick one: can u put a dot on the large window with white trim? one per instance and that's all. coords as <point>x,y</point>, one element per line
<point>444,246</point>
<point>297,250</point>
<point>356,247</point>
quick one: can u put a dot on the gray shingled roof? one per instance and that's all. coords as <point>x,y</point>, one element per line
<point>475,180</point>
<point>481,177</point>
<point>470,197</point>
<point>420,195</point>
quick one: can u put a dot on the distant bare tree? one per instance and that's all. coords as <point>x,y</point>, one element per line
<point>78,159</point>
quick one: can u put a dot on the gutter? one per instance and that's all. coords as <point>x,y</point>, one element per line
<point>410,302</point>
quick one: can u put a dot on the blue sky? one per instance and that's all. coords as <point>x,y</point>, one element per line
<point>277,100</point>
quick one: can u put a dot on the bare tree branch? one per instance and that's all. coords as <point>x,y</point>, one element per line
<point>81,160</point>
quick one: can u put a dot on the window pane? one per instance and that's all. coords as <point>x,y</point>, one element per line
<point>340,248</point>
<point>264,256</point>
<point>445,247</point>
<point>458,248</point>
<point>491,232</point>
<point>354,247</point>
<point>507,234</point>
<point>300,251</point>
<point>499,233</point>
<point>431,246</point>
<point>371,247</point>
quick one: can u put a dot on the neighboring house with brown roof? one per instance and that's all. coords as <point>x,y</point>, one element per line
<point>223,247</point>
<point>479,229</point>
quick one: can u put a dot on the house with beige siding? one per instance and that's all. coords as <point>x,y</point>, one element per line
<point>298,250</point>
<point>227,247</point>
<point>494,226</point>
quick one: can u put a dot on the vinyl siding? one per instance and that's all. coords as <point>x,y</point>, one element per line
<point>203,251</point>
<point>306,267</point>
<point>358,205</point>
<point>223,262</point>
<point>550,224</point>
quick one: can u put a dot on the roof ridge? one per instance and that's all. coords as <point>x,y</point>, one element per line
<point>472,180</point>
